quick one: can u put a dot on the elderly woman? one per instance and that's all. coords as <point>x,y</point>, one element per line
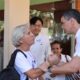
<point>22,39</point>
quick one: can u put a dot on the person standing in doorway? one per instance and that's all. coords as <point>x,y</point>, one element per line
<point>41,47</point>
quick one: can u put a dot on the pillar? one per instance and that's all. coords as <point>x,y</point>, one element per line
<point>16,13</point>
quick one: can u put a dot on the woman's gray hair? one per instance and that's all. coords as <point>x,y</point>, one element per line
<point>18,34</point>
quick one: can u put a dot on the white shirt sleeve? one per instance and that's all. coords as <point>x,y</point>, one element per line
<point>77,47</point>
<point>22,63</point>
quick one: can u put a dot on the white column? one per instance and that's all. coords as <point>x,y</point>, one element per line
<point>16,13</point>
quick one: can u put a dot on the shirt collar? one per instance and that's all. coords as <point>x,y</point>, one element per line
<point>77,33</point>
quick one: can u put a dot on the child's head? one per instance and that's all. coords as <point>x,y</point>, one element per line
<point>56,47</point>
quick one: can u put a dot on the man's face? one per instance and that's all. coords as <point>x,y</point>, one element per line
<point>36,28</point>
<point>67,25</point>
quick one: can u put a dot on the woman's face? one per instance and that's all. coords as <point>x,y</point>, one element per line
<point>56,49</point>
<point>28,38</point>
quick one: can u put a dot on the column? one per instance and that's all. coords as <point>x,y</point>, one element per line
<point>16,13</point>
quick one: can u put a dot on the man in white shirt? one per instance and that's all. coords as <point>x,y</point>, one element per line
<point>71,24</point>
<point>41,47</point>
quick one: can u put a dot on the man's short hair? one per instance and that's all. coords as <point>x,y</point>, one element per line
<point>72,13</point>
<point>33,20</point>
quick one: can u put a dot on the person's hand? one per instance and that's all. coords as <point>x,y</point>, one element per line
<point>53,59</point>
<point>52,75</point>
<point>44,66</point>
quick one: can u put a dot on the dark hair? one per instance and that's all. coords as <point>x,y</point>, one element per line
<point>34,19</point>
<point>56,42</point>
<point>72,13</point>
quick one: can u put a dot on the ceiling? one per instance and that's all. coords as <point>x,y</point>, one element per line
<point>52,6</point>
<point>34,2</point>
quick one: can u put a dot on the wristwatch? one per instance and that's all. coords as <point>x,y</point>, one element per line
<point>49,69</point>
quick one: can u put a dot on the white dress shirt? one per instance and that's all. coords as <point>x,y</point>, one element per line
<point>77,46</point>
<point>41,48</point>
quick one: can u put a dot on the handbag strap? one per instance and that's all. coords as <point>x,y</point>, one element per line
<point>66,58</point>
<point>13,56</point>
